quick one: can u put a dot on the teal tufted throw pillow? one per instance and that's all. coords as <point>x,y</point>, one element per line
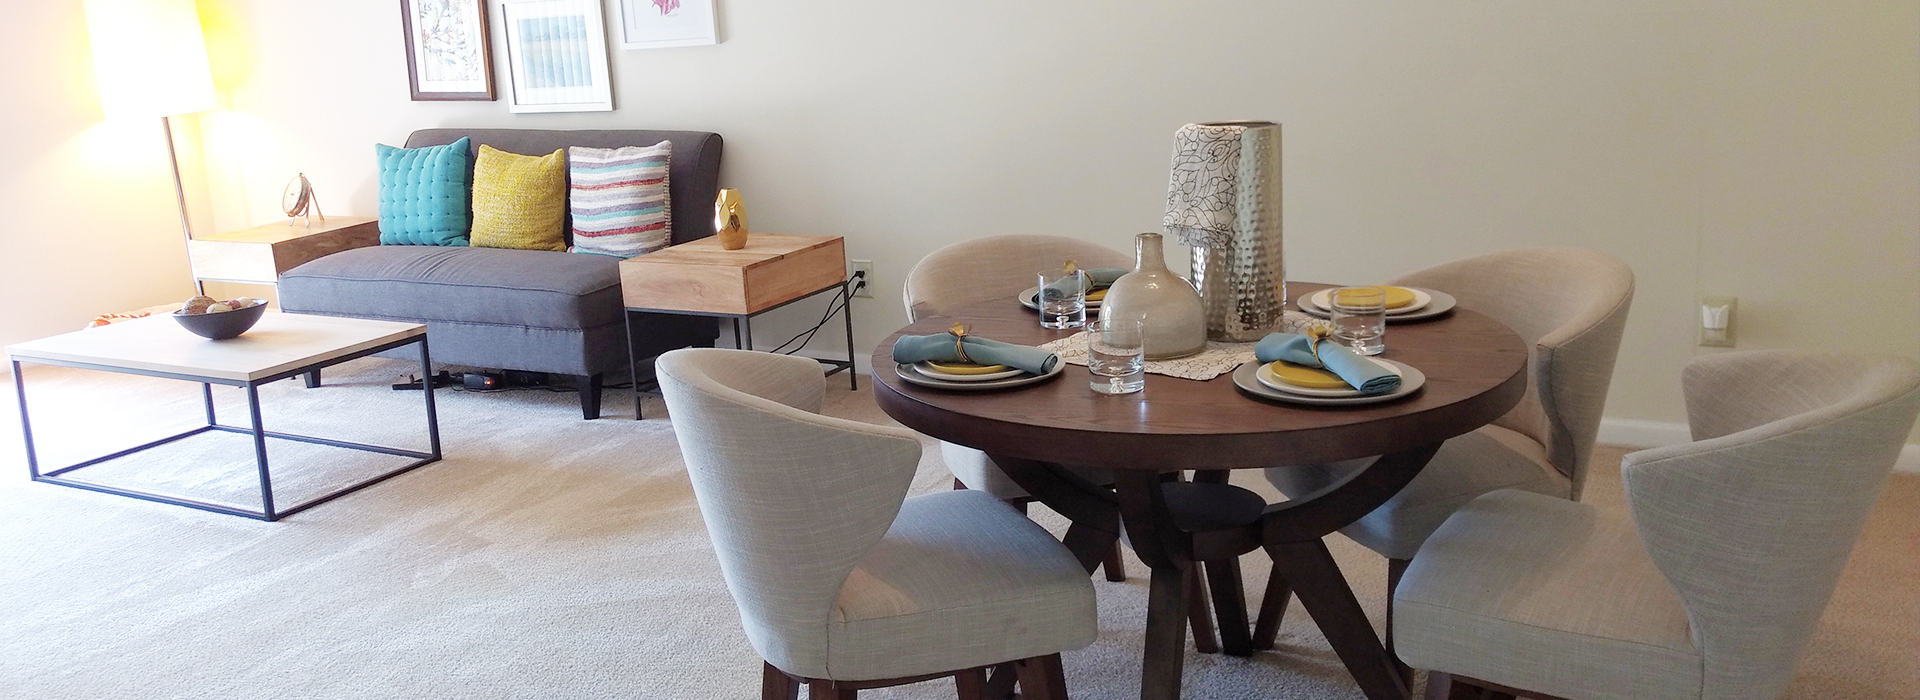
<point>423,194</point>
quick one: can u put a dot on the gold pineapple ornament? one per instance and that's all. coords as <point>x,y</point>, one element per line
<point>730,219</point>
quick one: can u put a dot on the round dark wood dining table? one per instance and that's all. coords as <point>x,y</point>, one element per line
<point>1476,372</point>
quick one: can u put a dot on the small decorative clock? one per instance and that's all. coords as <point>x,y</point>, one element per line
<point>300,202</point>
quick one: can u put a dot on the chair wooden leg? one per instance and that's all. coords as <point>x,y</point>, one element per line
<point>971,684</point>
<point>1199,613</point>
<point>1230,606</point>
<point>1396,568</point>
<point>1114,565</point>
<point>775,684</point>
<point>1273,607</point>
<point>589,395</point>
<point>822,689</point>
<point>1041,678</point>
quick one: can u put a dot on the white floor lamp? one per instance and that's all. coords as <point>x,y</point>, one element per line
<point>151,61</point>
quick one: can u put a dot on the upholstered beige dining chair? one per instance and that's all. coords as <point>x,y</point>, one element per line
<point>843,583</point>
<point>985,269</point>
<point>1570,306</point>
<point>1712,587</point>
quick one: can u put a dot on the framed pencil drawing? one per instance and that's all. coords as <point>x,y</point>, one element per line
<point>658,24</point>
<point>449,53</point>
<point>556,56</point>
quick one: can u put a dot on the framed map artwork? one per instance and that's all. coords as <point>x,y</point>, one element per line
<point>449,54</point>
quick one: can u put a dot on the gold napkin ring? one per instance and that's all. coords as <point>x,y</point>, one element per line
<point>1316,333</point>
<point>959,332</point>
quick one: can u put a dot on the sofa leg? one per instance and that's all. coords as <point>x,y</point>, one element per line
<point>589,395</point>
<point>313,379</point>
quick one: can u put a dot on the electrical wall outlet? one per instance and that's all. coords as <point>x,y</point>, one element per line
<point>1716,321</point>
<point>862,272</point>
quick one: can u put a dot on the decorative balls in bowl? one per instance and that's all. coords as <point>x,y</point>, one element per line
<point>208,317</point>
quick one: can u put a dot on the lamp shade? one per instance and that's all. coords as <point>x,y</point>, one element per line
<point>149,58</point>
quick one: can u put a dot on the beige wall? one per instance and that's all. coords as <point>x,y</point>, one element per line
<point>1769,150</point>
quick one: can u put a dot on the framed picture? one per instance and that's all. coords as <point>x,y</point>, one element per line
<point>556,56</point>
<point>658,24</point>
<point>449,53</point>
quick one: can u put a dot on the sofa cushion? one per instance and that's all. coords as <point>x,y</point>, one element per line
<point>423,194</point>
<point>619,199</point>
<point>531,288</point>
<point>519,201</point>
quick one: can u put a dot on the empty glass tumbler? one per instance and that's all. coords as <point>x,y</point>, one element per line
<point>1359,318</point>
<point>1063,299</point>
<point>1116,355</point>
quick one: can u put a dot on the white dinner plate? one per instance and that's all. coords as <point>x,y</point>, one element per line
<point>934,373</point>
<point>1272,381</point>
<point>1441,304</point>
<point>1248,380</point>
<point>911,376</point>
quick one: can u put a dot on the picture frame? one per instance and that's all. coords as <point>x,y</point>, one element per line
<point>449,50</point>
<point>659,24</point>
<point>556,56</point>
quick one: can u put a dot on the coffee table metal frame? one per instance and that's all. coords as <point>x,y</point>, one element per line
<point>260,434</point>
<point>746,321</point>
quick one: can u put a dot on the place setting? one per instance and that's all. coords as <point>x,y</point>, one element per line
<point>1316,370</point>
<point>959,361</point>
<point>1070,295</point>
<point>1399,304</point>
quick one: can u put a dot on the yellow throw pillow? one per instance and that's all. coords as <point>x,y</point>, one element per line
<point>519,201</point>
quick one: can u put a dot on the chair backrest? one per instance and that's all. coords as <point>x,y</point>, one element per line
<point>1570,305</point>
<point>1753,521</point>
<point>792,500</point>
<point>995,267</point>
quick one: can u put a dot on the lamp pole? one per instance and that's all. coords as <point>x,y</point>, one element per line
<point>180,196</point>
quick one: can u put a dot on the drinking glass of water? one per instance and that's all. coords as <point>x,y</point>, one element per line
<point>1359,318</point>
<point>1116,355</point>
<point>1063,299</point>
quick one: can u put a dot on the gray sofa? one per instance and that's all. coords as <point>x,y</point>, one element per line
<point>534,311</point>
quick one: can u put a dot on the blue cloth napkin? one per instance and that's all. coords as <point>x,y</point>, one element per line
<point>940,348</point>
<point>1359,372</point>
<point>1095,279</point>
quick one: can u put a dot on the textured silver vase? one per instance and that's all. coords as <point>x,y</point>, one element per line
<point>1171,316</point>
<point>1223,200</point>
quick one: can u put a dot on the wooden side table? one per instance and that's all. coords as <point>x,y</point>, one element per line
<point>258,255</point>
<point>699,278</point>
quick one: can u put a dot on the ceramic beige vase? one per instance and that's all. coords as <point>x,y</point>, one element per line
<point>730,219</point>
<point>1170,312</point>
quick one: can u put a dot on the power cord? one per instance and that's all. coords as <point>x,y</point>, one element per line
<point>841,304</point>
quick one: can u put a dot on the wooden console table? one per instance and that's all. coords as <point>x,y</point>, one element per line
<point>699,278</point>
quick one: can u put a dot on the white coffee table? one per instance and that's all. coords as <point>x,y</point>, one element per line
<point>278,347</point>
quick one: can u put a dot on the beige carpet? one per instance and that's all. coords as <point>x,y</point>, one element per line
<point>547,557</point>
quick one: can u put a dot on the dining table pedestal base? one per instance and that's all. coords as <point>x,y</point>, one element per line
<point>1179,529</point>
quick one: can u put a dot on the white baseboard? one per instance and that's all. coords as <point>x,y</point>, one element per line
<point>1646,433</point>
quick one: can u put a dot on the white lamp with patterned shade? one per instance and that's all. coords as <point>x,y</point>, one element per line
<point>151,61</point>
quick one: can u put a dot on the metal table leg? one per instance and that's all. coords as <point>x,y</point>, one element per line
<point>260,450</point>
<point>846,313</point>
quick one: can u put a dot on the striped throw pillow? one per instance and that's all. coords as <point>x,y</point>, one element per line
<point>619,199</point>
